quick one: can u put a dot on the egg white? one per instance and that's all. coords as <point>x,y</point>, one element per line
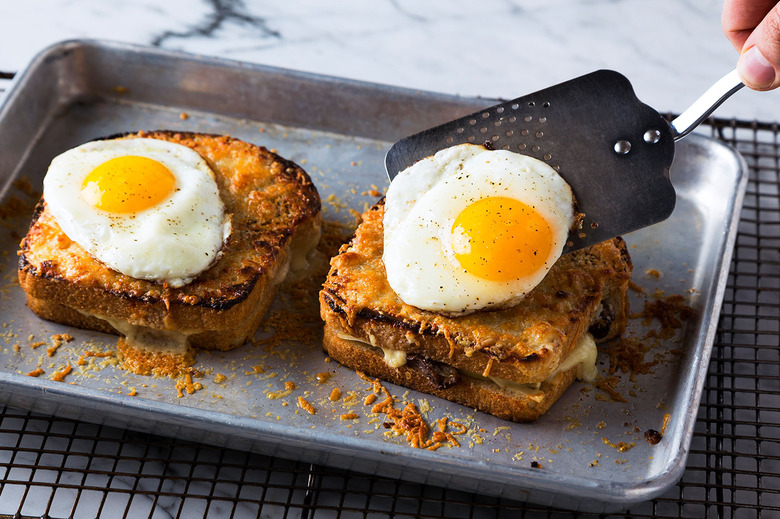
<point>173,241</point>
<point>424,200</point>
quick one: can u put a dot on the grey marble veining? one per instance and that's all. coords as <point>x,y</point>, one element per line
<point>671,50</point>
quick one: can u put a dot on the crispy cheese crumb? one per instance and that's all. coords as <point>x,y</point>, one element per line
<point>289,386</point>
<point>186,384</point>
<point>306,406</point>
<point>410,422</point>
<point>58,340</point>
<point>99,353</point>
<point>255,370</point>
<point>607,384</point>
<point>620,446</point>
<point>59,376</point>
<point>667,416</point>
<point>35,373</point>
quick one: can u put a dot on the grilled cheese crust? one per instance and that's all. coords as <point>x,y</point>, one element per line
<point>275,213</point>
<point>529,345</point>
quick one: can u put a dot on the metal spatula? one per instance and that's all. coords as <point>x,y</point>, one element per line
<point>613,150</point>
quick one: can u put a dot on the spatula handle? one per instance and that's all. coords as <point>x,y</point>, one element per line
<point>705,105</point>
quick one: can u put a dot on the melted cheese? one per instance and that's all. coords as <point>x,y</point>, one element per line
<point>303,255</point>
<point>150,339</point>
<point>394,358</point>
<point>531,391</point>
<point>583,357</point>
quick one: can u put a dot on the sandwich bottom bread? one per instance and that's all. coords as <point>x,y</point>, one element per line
<point>274,214</point>
<point>513,363</point>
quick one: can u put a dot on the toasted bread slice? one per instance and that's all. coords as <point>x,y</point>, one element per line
<point>275,212</point>
<point>520,404</point>
<point>368,328</point>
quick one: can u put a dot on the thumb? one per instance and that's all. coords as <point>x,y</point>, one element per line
<point>759,64</point>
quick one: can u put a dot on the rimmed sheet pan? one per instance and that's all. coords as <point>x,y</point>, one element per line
<point>590,450</point>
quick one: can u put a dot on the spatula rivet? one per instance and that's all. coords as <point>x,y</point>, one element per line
<point>622,147</point>
<point>652,136</point>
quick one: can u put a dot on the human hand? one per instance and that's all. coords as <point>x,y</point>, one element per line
<point>753,27</point>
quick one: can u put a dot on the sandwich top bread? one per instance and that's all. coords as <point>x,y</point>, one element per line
<point>271,220</point>
<point>512,363</point>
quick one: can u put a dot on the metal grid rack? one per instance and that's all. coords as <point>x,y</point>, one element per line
<point>52,467</point>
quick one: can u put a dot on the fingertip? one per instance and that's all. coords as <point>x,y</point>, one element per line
<point>755,70</point>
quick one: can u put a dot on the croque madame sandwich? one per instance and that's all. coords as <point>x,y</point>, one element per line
<point>173,240</point>
<point>454,285</point>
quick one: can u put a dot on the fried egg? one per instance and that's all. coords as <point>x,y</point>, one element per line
<point>147,208</point>
<point>471,228</point>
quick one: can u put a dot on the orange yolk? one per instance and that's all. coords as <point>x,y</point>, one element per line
<point>501,239</point>
<point>128,184</point>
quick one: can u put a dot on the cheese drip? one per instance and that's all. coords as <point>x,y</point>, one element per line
<point>583,357</point>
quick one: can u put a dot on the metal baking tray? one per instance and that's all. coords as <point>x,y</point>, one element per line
<point>339,130</point>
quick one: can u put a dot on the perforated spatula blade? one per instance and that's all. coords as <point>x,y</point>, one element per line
<point>613,150</point>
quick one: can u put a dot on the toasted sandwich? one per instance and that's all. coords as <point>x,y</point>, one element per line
<point>513,363</point>
<point>274,212</point>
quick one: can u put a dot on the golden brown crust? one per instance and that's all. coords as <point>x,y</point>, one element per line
<point>143,362</point>
<point>273,204</point>
<point>482,395</point>
<point>524,343</point>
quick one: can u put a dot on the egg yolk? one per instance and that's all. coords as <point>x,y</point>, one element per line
<point>128,184</point>
<point>501,239</point>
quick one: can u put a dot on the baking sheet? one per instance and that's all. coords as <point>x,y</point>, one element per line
<point>589,450</point>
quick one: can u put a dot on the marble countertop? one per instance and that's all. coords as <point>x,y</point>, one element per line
<point>671,50</point>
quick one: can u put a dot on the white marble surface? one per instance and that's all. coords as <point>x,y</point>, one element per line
<point>671,50</point>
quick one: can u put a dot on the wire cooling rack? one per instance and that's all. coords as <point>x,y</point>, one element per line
<point>59,468</point>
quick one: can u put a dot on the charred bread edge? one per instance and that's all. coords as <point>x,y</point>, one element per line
<point>239,292</point>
